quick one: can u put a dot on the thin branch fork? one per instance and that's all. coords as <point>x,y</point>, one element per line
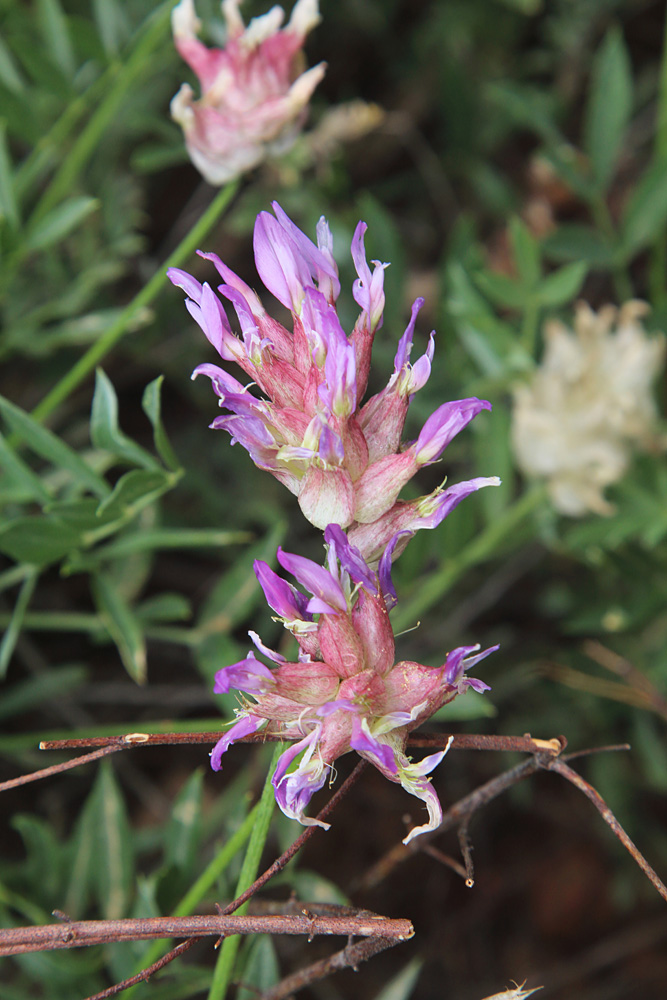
<point>82,933</point>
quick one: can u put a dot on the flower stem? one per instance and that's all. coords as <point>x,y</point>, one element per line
<point>224,966</point>
<point>433,587</point>
<point>117,330</point>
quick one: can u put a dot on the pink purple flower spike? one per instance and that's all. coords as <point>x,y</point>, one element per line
<point>302,419</point>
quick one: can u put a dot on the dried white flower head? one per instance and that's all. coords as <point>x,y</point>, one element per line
<point>588,405</point>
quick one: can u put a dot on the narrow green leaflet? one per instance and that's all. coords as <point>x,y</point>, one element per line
<point>60,222</point>
<point>38,540</point>
<point>645,214</point>
<point>575,241</point>
<point>55,30</point>
<point>9,209</point>
<point>12,633</point>
<point>122,624</point>
<point>151,405</point>
<point>501,290</point>
<point>43,442</point>
<point>10,75</point>
<point>104,430</point>
<point>183,833</point>
<point>609,107</point>
<point>111,24</point>
<point>526,253</point>
<point>133,492</point>
<point>57,682</point>
<point>21,473</point>
<point>259,967</point>
<point>113,869</point>
<point>562,285</point>
<point>402,984</point>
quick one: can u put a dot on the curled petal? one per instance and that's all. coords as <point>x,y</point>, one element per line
<point>384,570</point>
<point>368,290</point>
<point>246,725</point>
<point>294,791</point>
<point>445,424</point>
<point>381,754</point>
<point>246,675</point>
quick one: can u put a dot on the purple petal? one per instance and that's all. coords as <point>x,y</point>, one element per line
<point>317,580</point>
<point>223,383</point>
<point>362,741</point>
<point>280,595</point>
<point>384,571</point>
<point>279,262</point>
<point>405,343</point>
<point>182,279</point>
<point>445,424</point>
<point>270,654</point>
<point>246,725</point>
<point>368,290</point>
<point>319,258</point>
<point>246,675</point>
<point>350,558</point>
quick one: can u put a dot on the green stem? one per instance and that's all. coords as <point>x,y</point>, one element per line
<point>603,220</point>
<point>658,256</point>
<point>222,973</point>
<point>206,881</point>
<point>483,546</point>
<point>529,327</point>
<point>116,331</point>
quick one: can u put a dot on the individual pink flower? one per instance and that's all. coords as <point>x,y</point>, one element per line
<point>254,97</point>
<point>345,692</point>
<point>307,422</point>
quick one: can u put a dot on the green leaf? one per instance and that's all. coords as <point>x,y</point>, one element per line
<point>501,290</point>
<point>400,987</point>
<point>259,968</point>
<point>60,222</point>
<point>122,624</point>
<point>104,430</point>
<point>22,474</point>
<point>183,833</point>
<point>38,540</point>
<point>562,285</point>
<point>111,24</point>
<point>151,405</point>
<point>57,39</point>
<point>526,253</point>
<point>12,632</point>
<point>9,72</point>
<point>113,869</point>
<point>609,106</point>
<point>133,492</point>
<point>165,607</point>
<point>575,241</point>
<point>43,442</point>
<point>645,214</point>
<point>9,208</point>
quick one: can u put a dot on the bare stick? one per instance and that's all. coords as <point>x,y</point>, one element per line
<point>83,933</point>
<point>49,772</point>
<point>562,768</point>
<point>349,958</point>
<point>460,741</point>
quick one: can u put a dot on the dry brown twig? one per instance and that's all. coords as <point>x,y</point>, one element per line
<point>381,932</point>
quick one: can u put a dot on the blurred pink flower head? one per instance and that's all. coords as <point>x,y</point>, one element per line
<point>254,96</point>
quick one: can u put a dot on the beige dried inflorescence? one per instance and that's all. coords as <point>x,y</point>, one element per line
<point>588,405</point>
